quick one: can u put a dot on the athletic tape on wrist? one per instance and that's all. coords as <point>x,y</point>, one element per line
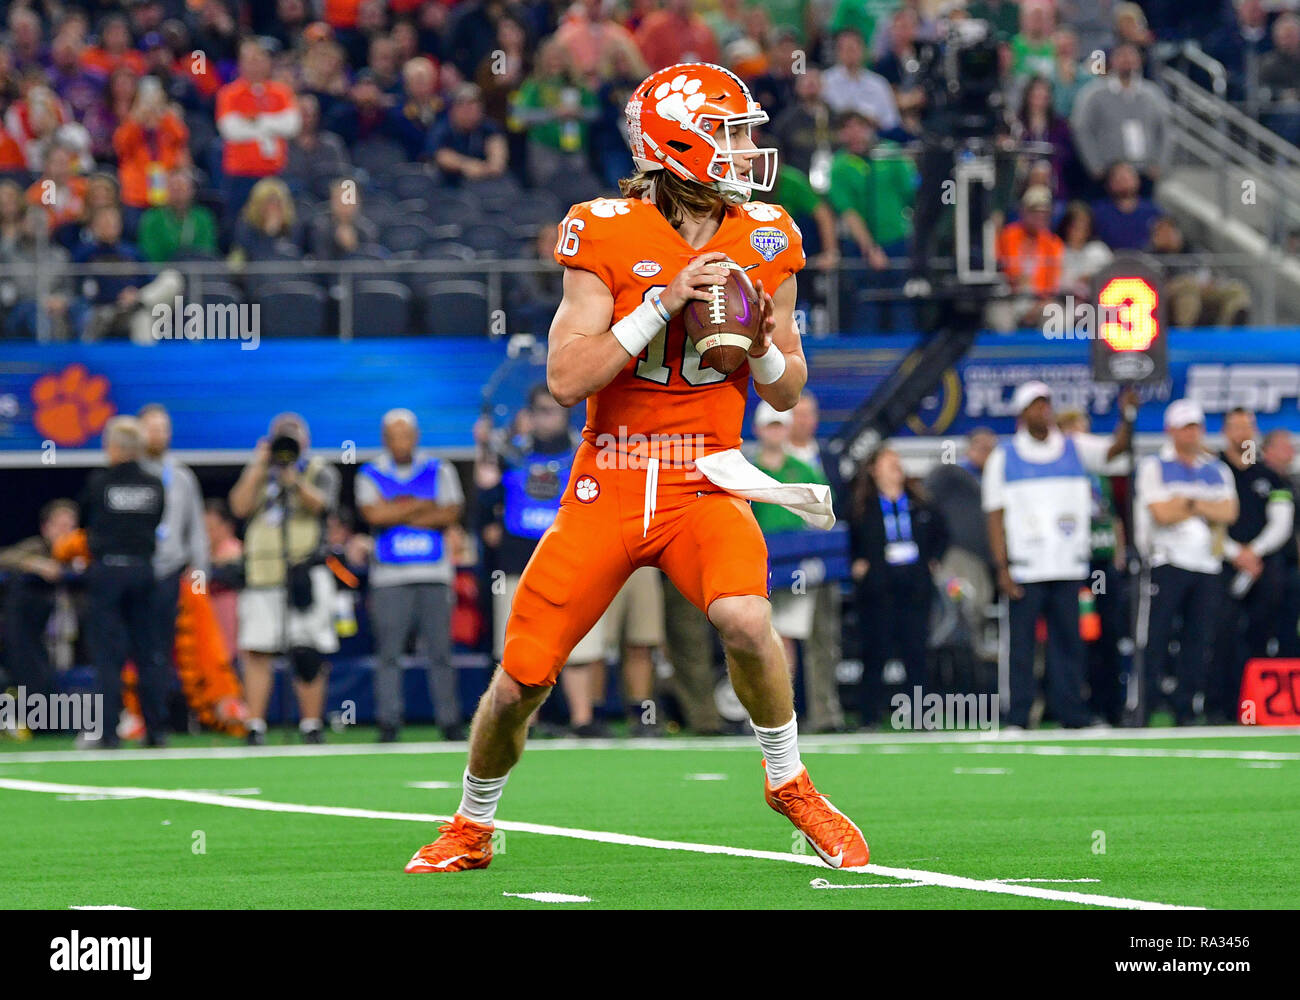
<point>768,368</point>
<point>635,330</point>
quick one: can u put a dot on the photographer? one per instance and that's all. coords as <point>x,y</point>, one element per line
<point>284,496</point>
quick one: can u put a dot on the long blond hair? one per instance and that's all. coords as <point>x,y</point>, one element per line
<point>264,191</point>
<point>674,197</point>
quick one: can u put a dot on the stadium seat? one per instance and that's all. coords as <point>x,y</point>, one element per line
<point>449,250</point>
<point>412,207</point>
<point>221,293</point>
<point>381,308</point>
<point>293,309</point>
<point>413,180</point>
<point>488,237</point>
<point>378,156</point>
<point>412,233</point>
<point>455,308</point>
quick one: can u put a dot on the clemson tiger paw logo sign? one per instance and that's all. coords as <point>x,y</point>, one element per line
<point>72,406</point>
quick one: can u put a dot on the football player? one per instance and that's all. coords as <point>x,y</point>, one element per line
<point>635,497</point>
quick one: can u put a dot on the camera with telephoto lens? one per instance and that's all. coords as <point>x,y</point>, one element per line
<point>284,450</point>
<point>960,76</point>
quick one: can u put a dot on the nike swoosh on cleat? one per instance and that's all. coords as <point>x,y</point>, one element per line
<point>834,861</point>
<point>446,861</point>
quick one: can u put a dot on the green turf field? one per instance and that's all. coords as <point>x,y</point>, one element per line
<point>1203,819</point>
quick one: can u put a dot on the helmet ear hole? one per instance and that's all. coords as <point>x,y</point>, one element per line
<point>679,146</point>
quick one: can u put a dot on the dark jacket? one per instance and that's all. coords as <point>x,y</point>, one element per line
<point>867,535</point>
<point>121,509</point>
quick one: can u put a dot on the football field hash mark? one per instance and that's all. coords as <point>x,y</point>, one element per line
<point>941,879</point>
<point>549,897</point>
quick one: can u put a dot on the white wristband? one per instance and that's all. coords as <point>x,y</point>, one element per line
<point>635,330</point>
<point>768,368</point>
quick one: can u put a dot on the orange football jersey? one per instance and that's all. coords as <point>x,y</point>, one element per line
<point>664,400</point>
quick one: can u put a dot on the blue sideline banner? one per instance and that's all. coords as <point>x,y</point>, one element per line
<point>221,396</point>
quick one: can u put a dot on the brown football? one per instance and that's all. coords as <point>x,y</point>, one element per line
<point>723,328</point>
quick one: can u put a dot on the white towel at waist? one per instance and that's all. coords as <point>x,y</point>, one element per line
<point>731,471</point>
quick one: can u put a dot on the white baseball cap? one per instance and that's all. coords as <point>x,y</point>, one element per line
<point>1028,393</point>
<point>1182,412</point>
<point>766,414</point>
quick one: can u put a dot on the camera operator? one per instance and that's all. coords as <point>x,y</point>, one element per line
<point>963,114</point>
<point>284,496</point>
<point>123,506</point>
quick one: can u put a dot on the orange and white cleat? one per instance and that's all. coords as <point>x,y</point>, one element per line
<point>463,845</point>
<point>832,835</point>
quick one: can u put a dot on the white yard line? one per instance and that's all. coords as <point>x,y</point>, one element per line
<point>1172,752</point>
<point>829,742</point>
<point>597,836</point>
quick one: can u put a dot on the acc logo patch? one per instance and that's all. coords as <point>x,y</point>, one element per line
<point>586,489</point>
<point>768,241</point>
<point>646,268</point>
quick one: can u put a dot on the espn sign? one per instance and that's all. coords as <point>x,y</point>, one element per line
<point>1130,344</point>
<point>1260,388</point>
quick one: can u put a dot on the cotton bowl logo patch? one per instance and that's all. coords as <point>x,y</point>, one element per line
<point>769,241</point>
<point>646,268</point>
<point>586,489</point>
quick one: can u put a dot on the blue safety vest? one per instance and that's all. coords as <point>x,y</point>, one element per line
<point>403,543</point>
<point>533,488</point>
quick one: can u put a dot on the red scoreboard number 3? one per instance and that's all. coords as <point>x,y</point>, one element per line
<point>1129,337</point>
<point>1129,320</point>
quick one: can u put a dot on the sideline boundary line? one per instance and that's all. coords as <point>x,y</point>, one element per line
<point>810,744</point>
<point>940,879</point>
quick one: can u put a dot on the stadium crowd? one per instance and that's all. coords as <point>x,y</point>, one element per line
<point>939,578</point>
<point>163,132</point>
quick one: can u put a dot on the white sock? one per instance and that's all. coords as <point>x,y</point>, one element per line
<point>256,725</point>
<point>781,748</point>
<point>479,799</point>
<point>309,725</point>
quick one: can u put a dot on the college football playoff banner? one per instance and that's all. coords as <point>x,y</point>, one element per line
<point>221,397</point>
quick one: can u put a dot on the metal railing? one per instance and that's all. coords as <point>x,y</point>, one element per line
<point>848,297</point>
<point>1210,130</point>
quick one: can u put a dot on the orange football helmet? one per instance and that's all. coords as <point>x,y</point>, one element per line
<point>681,119</point>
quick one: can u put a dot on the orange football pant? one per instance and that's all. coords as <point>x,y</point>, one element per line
<point>707,541</point>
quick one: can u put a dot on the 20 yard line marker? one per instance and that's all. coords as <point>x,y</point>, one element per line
<point>598,836</point>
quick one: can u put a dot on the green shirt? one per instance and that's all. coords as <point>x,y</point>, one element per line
<point>864,15</point>
<point>1033,58</point>
<point>881,190</point>
<point>794,192</point>
<point>539,98</point>
<point>164,235</point>
<point>1103,518</point>
<point>786,14</point>
<point>773,518</point>
<point>1005,18</point>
